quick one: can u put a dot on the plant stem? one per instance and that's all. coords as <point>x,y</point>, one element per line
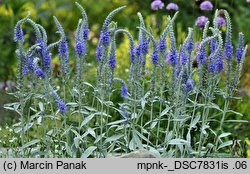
<point>159,121</point>
<point>224,113</point>
<point>80,108</point>
<point>202,126</point>
<point>101,127</point>
<point>151,118</point>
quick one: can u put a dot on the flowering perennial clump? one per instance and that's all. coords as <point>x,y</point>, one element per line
<point>167,104</point>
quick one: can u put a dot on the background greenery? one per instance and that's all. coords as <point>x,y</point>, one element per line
<point>42,12</point>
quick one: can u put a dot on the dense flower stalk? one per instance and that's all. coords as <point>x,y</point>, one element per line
<point>63,50</point>
<point>112,55</point>
<point>240,47</point>
<point>162,46</point>
<point>85,32</point>
<point>18,31</point>
<point>18,34</point>
<point>216,60</point>
<point>155,57</point>
<point>201,56</point>
<point>80,48</point>
<point>46,56</point>
<point>173,54</point>
<point>104,40</point>
<point>220,62</point>
<point>62,107</point>
<point>184,56</point>
<point>64,57</point>
<point>189,43</point>
<point>228,42</point>
<point>213,45</point>
<point>31,64</point>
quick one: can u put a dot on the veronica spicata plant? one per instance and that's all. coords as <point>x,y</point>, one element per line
<point>167,105</point>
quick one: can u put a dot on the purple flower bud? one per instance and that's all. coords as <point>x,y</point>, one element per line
<point>112,61</point>
<point>63,48</point>
<point>213,45</point>
<point>139,53</point>
<point>46,57</point>
<point>157,4</point>
<point>221,21</point>
<point>18,34</point>
<point>239,53</point>
<point>189,85</point>
<point>155,57</point>
<point>190,46</point>
<point>80,48</point>
<point>240,47</point>
<point>132,55</point>
<point>99,53</point>
<point>42,47</point>
<point>173,57</point>
<point>219,64</point>
<point>47,64</point>
<point>201,56</point>
<point>162,45</point>
<point>31,64</point>
<point>212,67</point>
<point>172,6</point>
<point>61,106</point>
<point>138,50</point>
<point>144,47</point>
<point>184,56</point>
<point>85,33</point>
<point>25,70</point>
<point>39,72</point>
<point>228,50</point>
<point>105,38</point>
<point>201,21</point>
<point>206,5</point>
<point>124,91</point>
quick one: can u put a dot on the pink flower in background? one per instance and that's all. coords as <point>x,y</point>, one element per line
<point>172,6</point>
<point>221,21</point>
<point>206,5</point>
<point>157,4</point>
<point>201,21</point>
